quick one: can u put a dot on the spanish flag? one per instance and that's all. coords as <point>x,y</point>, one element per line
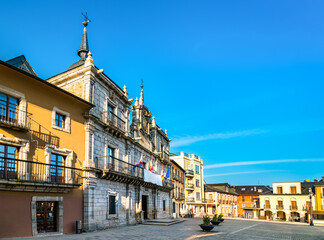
<point>162,174</point>
<point>151,164</point>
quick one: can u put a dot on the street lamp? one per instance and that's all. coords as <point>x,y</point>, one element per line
<point>311,213</point>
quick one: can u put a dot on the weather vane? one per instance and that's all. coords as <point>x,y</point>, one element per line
<point>86,19</point>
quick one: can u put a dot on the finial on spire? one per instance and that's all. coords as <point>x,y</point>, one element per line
<point>141,99</point>
<point>153,122</point>
<point>84,47</point>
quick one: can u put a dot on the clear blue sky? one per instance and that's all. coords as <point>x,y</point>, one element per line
<point>236,82</point>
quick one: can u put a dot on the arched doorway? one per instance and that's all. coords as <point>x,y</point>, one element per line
<point>268,215</point>
<point>281,215</point>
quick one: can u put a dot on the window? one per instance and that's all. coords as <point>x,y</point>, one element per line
<point>267,203</point>
<point>293,190</point>
<point>243,198</point>
<point>280,204</point>
<point>110,163</point>
<point>112,205</point>
<point>8,170</point>
<point>56,169</point>
<point>8,108</point>
<point>279,190</point>
<point>61,120</point>
<point>198,196</point>
<point>110,113</point>
<point>174,207</point>
<point>163,205</point>
<point>197,183</point>
<point>197,169</point>
<point>293,205</point>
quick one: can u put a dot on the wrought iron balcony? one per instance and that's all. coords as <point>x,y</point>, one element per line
<point>306,208</point>
<point>267,206</point>
<point>36,172</point>
<point>181,196</point>
<point>112,164</point>
<point>167,183</point>
<point>112,119</point>
<point>280,207</point>
<point>189,173</point>
<point>14,118</point>
<point>190,199</point>
<point>293,207</point>
<point>190,186</point>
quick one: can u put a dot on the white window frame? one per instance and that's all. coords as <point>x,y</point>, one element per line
<point>67,124</point>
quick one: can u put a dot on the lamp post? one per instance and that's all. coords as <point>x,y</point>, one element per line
<point>311,207</point>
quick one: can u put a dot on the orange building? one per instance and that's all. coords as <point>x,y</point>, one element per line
<point>248,200</point>
<point>41,154</point>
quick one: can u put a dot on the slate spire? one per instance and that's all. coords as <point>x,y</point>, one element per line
<point>84,47</point>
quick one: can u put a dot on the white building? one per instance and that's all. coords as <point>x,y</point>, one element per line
<point>289,201</point>
<point>116,190</point>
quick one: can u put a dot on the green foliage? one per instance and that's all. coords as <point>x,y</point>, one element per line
<point>206,220</point>
<point>220,216</point>
<point>215,218</point>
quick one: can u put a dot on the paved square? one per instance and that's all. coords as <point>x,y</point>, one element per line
<point>189,230</point>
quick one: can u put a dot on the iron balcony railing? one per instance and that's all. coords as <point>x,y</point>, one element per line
<point>14,117</point>
<point>293,207</point>
<point>190,199</point>
<point>167,183</point>
<point>267,206</point>
<point>113,119</point>
<point>280,207</point>
<point>190,185</point>
<point>181,196</point>
<point>189,172</point>
<point>307,208</point>
<point>29,171</point>
<point>120,166</point>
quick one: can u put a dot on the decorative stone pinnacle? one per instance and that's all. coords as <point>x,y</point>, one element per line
<point>153,122</point>
<point>136,101</point>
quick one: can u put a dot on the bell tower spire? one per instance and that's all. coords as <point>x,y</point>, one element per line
<point>84,47</point>
<point>141,99</point>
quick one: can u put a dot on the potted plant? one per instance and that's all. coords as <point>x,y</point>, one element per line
<point>220,217</point>
<point>206,226</point>
<point>215,220</point>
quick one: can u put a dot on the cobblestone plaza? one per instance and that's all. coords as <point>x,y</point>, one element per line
<point>189,230</point>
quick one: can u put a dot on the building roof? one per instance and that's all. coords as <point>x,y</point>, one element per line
<point>36,78</point>
<point>175,163</point>
<point>220,188</point>
<point>253,189</point>
<point>22,63</point>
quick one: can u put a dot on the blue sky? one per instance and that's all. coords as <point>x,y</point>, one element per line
<point>239,83</point>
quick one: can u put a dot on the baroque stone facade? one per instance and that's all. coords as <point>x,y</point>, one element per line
<point>117,189</point>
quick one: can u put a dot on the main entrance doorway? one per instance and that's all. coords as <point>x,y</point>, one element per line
<point>144,206</point>
<point>46,217</point>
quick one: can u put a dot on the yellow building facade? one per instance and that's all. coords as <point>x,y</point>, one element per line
<point>194,183</point>
<point>41,153</point>
<point>318,212</point>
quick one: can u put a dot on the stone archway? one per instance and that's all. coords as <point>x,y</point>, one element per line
<point>268,214</point>
<point>281,215</point>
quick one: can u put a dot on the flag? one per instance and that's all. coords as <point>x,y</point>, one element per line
<point>162,174</point>
<point>168,173</point>
<point>140,164</point>
<point>151,164</point>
